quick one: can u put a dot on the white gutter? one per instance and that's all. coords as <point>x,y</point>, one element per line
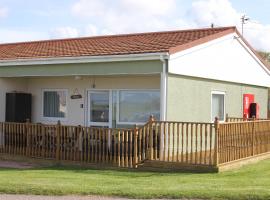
<point>84,59</point>
<point>163,88</point>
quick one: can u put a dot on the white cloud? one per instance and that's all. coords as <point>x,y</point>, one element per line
<point>90,30</point>
<point>149,7</point>
<point>89,8</point>
<point>258,35</point>
<point>221,13</point>
<point>10,35</point>
<point>123,16</point>
<point>64,32</point>
<point>3,12</point>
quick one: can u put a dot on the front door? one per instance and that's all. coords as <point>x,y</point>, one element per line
<point>99,108</point>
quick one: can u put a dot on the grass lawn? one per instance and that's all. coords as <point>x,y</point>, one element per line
<point>250,182</point>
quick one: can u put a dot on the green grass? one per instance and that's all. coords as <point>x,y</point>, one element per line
<point>250,182</point>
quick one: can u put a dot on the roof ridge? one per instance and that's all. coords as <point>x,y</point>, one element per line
<point>117,35</point>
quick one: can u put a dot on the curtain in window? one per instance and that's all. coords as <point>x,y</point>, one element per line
<point>54,104</point>
<point>218,106</point>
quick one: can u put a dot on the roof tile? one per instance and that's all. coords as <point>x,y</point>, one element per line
<point>106,45</point>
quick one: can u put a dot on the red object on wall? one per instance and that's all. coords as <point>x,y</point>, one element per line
<point>248,99</point>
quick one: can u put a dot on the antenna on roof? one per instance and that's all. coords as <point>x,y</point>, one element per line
<point>244,19</point>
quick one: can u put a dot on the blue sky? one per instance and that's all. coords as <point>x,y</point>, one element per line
<point>33,20</point>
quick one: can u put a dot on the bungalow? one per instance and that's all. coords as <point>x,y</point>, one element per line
<point>119,80</point>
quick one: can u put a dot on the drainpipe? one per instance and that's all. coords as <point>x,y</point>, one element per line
<point>163,88</point>
<point>163,98</point>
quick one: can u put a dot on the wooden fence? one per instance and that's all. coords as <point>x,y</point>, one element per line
<point>116,147</point>
<point>184,142</point>
<point>238,140</point>
<point>203,144</point>
<point>240,119</point>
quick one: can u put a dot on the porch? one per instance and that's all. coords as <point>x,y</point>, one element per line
<point>103,101</point>
<point>157,145</point>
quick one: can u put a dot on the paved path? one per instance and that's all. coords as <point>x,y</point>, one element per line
<point>16,165</point>
<point>32,197</point>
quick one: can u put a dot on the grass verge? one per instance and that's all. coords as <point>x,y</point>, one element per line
<point>249,182</point>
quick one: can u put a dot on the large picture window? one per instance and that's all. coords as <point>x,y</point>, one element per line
<point>136,106</point>
<point>218,105</point>
<point>55,103</point>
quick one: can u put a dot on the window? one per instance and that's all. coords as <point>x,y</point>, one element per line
<point>55,103</point>
<point>136,106</point>
<point>99,105</point>
<point>218,105</point>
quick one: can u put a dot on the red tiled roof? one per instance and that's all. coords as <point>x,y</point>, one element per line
<point>154,42</point>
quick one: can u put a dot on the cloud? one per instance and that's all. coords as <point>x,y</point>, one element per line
<point>258,35</point>
<point>220,12</point>
<point>3,12</point>
<point>149,7</point>
<point>64,32</point>
<point>125,16</point>
<point>12,35</point>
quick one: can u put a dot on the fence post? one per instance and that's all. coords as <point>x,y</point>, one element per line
<point>227,117</point>
<point>58,129</point>
<point>27,127</point>
<point>216,141</point>
<point>151,142</point>
<point>135,158</point>
<point>253,135</point>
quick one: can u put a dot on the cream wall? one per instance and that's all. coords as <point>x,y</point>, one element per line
<point>189,98</point>
<point>76,114</point>
<point>10,85</point>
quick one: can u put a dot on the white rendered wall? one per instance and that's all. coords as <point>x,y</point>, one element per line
<point>75,114</point>
<point>223,59</point>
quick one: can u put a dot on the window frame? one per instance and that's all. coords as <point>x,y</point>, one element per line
<point>88,107</point>
<point>42,107</point>
<point>224,106</point>
<point>118,105</point>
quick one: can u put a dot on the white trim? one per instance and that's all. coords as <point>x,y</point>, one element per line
<point>84,59</point>
<point>163,90</point>
<point>118,102</point>
<point>89,123</point>
<point>53,119</point>
<point>224,106</point>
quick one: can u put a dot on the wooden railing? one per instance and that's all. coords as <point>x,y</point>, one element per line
<point>240,119</point>
<point>207,144</point>
<point>117,147</point>
<point>184,142</point>
<point>238,140</point>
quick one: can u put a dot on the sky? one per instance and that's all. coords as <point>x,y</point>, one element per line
<point>27,20</point>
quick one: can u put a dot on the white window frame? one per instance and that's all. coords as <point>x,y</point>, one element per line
<point>224,106</point>
<point>118,104</point>
<point>42,107</point>
<point>88,123</point>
